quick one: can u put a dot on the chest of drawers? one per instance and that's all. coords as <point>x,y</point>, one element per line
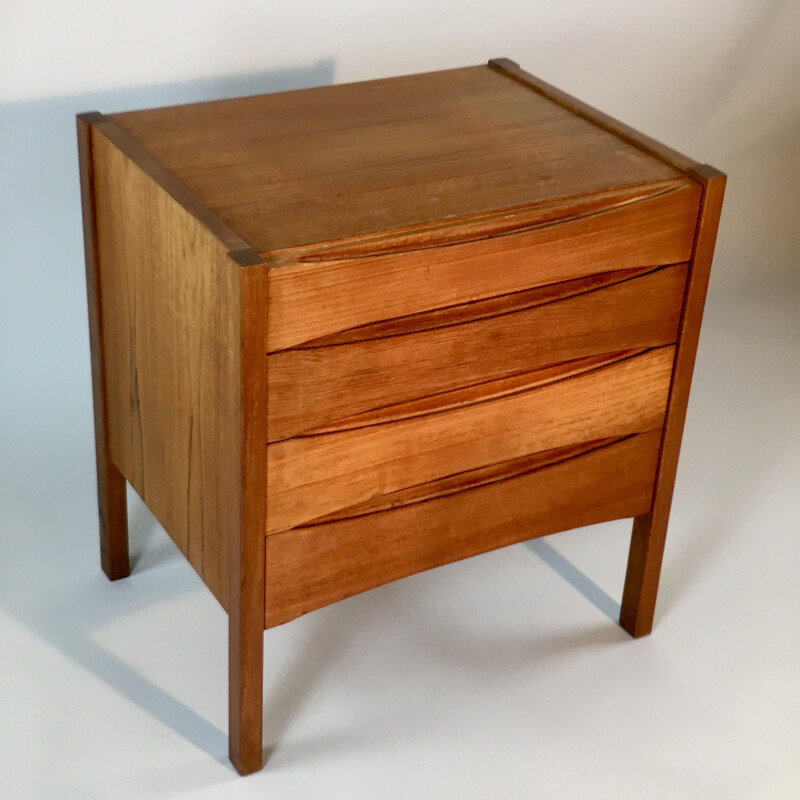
<point>346,334</point>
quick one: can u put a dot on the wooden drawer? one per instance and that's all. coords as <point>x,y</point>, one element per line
<point>428,357</point>
<point>563,488</point>
<point>327,294</point>
<point>362,469</point>
<point>400,360</point>
<point>450,377</point>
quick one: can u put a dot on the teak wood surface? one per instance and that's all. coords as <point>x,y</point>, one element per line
<point>556,489</point>
<point>313,476</point>
<point>343,335</point>
<point>433,356</point>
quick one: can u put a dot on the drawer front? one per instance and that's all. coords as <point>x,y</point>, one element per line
<point>380,369</point>
<point>320,295</point>
<point>313,566</point>
<point>345,473</point>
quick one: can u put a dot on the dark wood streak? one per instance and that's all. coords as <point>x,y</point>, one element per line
<point>466,481</point>
<point>476,393</point>
<point>247,562</point>
<point>494,225</point>
<point>315,475</point>
<point>321,387</point>
<point>477,309</point>
<point>317,565</point>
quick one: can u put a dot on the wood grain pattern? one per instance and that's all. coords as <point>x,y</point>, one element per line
<point>180,193</point>
<point>310,567</point>
<point>111,488</point>
<point>475,310</point>
<point>650,530</point>
<point>316,475</point>
<point>324,387</point>
<point>650,232</point>
<point>476,227</point>
<point>318,165</point>
<point>461,481</point>
<point>170,296</point>
<point>481,392</point>
<point>246,540</point>
<point>625,133</point>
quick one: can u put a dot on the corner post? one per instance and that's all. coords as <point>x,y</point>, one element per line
<point>650,530</point>
<point>111,487</point>
<point>248,542</point>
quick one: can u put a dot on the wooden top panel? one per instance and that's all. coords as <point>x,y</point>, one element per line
<point>324,164</point>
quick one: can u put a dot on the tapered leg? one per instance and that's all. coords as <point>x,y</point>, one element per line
<point>644,570</point>
<point>248,545</point>
<point>650,530</point>
<point>246,693</point>
<point>113,507</point>
<point>246,637</point>
<point>111,499</point>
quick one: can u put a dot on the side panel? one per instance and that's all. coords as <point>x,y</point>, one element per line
<point>171,302</point>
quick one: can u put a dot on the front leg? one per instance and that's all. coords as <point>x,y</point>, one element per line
<point>246,691</point>
<point>644,570</point>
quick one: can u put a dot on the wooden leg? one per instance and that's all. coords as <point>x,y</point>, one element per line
<point>248,541</point>
<point>113,507</point>
<point>644,570</point>
<point>650,530</point>
<point>111,499</point>
<point>246,648</point>
<point>246,632</point>
<point>246,695</point>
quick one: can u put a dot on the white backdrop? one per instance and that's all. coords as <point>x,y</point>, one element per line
<point>717,79</point>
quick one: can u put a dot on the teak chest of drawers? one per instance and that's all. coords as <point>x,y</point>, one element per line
<point>346,334</point>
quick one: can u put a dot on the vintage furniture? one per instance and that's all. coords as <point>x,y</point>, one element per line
<point>345,334</point>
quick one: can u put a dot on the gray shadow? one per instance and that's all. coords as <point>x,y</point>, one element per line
<point>490,653</point>
<point>43,305</point>
<point>323,644</point>
<point>42,283</point>
<point>394,610</point>
<point>573,576</point>
<point>67,613</point>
